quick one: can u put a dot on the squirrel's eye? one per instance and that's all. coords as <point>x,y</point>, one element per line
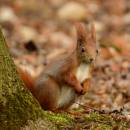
<point>83,49</point>
<point>97,51</point>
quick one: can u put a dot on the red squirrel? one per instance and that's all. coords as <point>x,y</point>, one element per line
<point>68,76</point>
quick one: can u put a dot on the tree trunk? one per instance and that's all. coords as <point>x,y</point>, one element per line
<point>17,106</point>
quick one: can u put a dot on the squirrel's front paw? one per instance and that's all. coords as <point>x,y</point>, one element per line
<point>85,86</point>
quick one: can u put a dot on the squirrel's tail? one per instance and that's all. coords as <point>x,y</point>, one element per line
<point>27,79</point>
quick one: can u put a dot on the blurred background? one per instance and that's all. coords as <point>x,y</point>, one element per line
<point>38,30</point>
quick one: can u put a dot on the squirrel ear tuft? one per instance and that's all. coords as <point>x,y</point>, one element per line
<point>80,30</point>
<point>93,32</point>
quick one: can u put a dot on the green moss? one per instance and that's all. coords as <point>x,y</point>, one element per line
<point>61,118</point>
<point>97,117</point>
<point>105,121</point>
<point>104,127</point>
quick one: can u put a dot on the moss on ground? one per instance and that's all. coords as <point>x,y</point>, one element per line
<point>91,121</point>
<point>106,122</point>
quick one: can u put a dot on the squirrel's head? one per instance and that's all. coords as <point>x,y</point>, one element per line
<point>86,43</point>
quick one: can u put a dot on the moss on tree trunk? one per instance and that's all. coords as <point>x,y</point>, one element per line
<point>16,104</point>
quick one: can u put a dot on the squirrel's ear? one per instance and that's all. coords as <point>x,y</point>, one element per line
<point>81,31</point>
<point>93,32</point>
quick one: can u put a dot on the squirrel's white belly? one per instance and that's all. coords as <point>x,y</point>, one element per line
<point>83,72</point>
<point>67,96</point>
<point>67,93</point>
